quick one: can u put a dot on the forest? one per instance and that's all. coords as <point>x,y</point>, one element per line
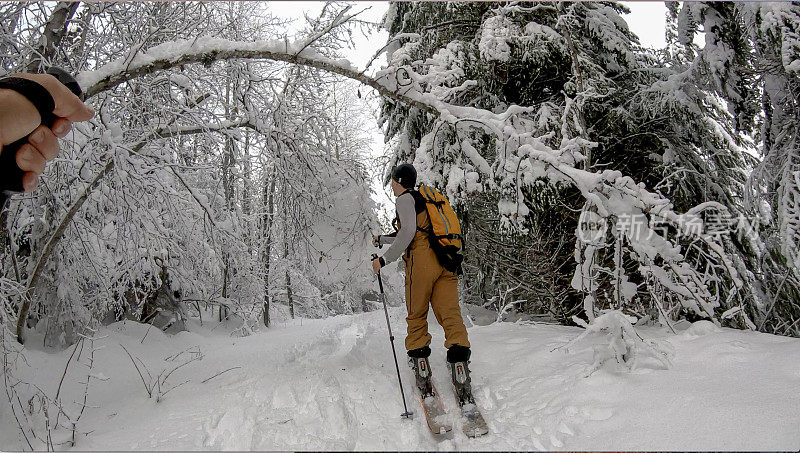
<point>228,170</point>
<point>228,166</point>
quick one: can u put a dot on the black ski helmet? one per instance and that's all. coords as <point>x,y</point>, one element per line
<point>406,175</point>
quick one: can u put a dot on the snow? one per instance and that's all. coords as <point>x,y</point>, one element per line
<point>331,385</point>
<point>495,34</point>
<point>475,157</point>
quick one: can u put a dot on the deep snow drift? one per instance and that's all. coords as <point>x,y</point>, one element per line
<point>331,384</point>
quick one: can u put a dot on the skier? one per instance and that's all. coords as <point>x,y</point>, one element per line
<point>427,282</point>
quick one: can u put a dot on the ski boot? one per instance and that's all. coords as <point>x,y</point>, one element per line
<point>418,360</point>
<point>422,372</point>
<point>462,382</point>
<point>458,361</point>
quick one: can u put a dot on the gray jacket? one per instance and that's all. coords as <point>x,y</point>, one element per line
<point>407,214</point>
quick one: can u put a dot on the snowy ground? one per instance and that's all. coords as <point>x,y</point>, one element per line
<point>331,384</point>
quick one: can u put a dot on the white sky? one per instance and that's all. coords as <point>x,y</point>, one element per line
<point>647,20</point>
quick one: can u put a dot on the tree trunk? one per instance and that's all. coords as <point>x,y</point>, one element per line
<point>289,299</point>
<point>223,309</point>
<point>228,162</point>
<point>246,202</point>
<point>54,32</point>
<point>269,206</point>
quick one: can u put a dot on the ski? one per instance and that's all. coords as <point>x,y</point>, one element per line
<point>473,424</point>
<point>435,415</point>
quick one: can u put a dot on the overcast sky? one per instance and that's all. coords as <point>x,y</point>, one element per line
<point>647,20</point>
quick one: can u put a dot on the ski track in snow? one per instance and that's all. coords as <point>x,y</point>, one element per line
<point>331,385</point>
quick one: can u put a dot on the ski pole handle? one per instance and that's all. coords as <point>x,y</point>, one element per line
<point>10,173</point>
<point>380,281</point>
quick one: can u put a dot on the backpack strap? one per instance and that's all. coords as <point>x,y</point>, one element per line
<point>449,236</point>
<point>419,200</point>
<point>421,204</point>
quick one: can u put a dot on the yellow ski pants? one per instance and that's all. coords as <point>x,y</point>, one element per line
<point>429,284</point>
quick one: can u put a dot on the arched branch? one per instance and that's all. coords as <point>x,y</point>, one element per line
<point>209,50</point>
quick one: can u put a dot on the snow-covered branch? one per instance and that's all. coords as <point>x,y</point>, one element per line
<point>207,50</point>
<point>60,229</point>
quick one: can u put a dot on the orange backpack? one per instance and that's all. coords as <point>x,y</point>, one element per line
<point>445,231</point>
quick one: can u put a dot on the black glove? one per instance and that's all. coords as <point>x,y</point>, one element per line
<point>10,174</point>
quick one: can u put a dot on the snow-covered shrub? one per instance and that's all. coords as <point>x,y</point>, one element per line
<point>621,343</point>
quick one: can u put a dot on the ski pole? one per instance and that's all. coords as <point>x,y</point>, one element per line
<point>407,413</point>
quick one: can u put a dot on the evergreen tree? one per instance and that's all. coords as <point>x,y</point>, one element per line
<point>597,97</point>
<point>751,60</point>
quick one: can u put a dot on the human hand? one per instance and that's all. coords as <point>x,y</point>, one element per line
<point>19,117</point>
<point>374,240</point>
<point>376,265</point>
